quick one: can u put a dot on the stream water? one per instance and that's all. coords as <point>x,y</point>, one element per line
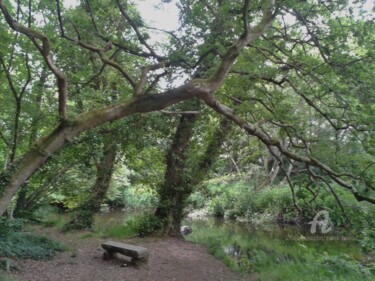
<point>283,252</point>
<point>235,236</point>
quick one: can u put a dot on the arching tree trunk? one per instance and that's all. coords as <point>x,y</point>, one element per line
<point>17,173</point>
<point>21,170</point>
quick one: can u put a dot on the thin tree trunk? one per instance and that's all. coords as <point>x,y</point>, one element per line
<point>274,172</point>
<point>38,101</point>
<point>22,194</point>
<point>16,130</point>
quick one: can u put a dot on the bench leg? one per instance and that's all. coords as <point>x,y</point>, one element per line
<point>108,255</point>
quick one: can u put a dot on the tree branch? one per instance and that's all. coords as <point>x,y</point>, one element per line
<point>138,33</point>
<point>212,102</point>
<point>48,145</point>
<point>178,112</point>
<point>45,51</point>
<point>245,16</point>
<point>142,81</point>
<point>247,38</point>
<point>100,51</point>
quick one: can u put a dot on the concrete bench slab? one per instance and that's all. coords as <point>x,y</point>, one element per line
<point>136,252</point>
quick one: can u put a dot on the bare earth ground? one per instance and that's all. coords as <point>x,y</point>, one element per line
<point>169,259</point>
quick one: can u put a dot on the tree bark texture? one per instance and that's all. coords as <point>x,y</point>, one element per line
<point>179,184</point>
<point>41,151</point>
<point>175,189</point>
<point>85,213</point>
<point>44,148</point>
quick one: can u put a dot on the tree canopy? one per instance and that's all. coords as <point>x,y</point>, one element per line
<point>297,76</point>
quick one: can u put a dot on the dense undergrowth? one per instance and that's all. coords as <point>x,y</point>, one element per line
<point>16,243</point>
<point>130,225</point>
<point>275,254</point>
<point>351,245</point>
<point>299,259</point>
<point>230,198</point>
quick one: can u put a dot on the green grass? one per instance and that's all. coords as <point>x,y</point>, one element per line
<point>113,225</point>
<point>105,225</point>
<point>56,220</point>
<point>116,231</point>
<point>309,271</point>
<point>280,256</point>
<point>5,277</point>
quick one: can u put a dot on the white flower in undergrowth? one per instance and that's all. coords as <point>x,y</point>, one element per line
<point>199,214</point>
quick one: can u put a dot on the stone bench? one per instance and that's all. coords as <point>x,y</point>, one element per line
<point>130,251</point>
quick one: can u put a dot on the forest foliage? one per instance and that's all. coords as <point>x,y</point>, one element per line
<point>294,78</point>
<point>261,111</point>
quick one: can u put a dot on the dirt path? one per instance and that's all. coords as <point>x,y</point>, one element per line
<point>169,259</point>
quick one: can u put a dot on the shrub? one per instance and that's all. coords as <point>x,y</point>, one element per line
<point>140,197</point>
<point>231,198</point>
<point>7,226</point>
<point>197,200</point>
<point>217,207</point>
<point>145,225</point>
<point>4,277</point>
<point>368,241</point>
<point>230,214</point>
<point>271,200</point>
<point>27,246</point>
<point>14,243</point>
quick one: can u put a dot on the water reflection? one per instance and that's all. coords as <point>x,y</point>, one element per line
<point>239,239</point>
<point>233,250</point>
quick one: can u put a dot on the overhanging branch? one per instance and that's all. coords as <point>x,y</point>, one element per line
<point>253,130</point>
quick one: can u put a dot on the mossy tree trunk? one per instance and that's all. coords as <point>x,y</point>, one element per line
<point>174,190</point>
<point>84,215</point>
<point>69,128</point>
<point>180,181</point>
